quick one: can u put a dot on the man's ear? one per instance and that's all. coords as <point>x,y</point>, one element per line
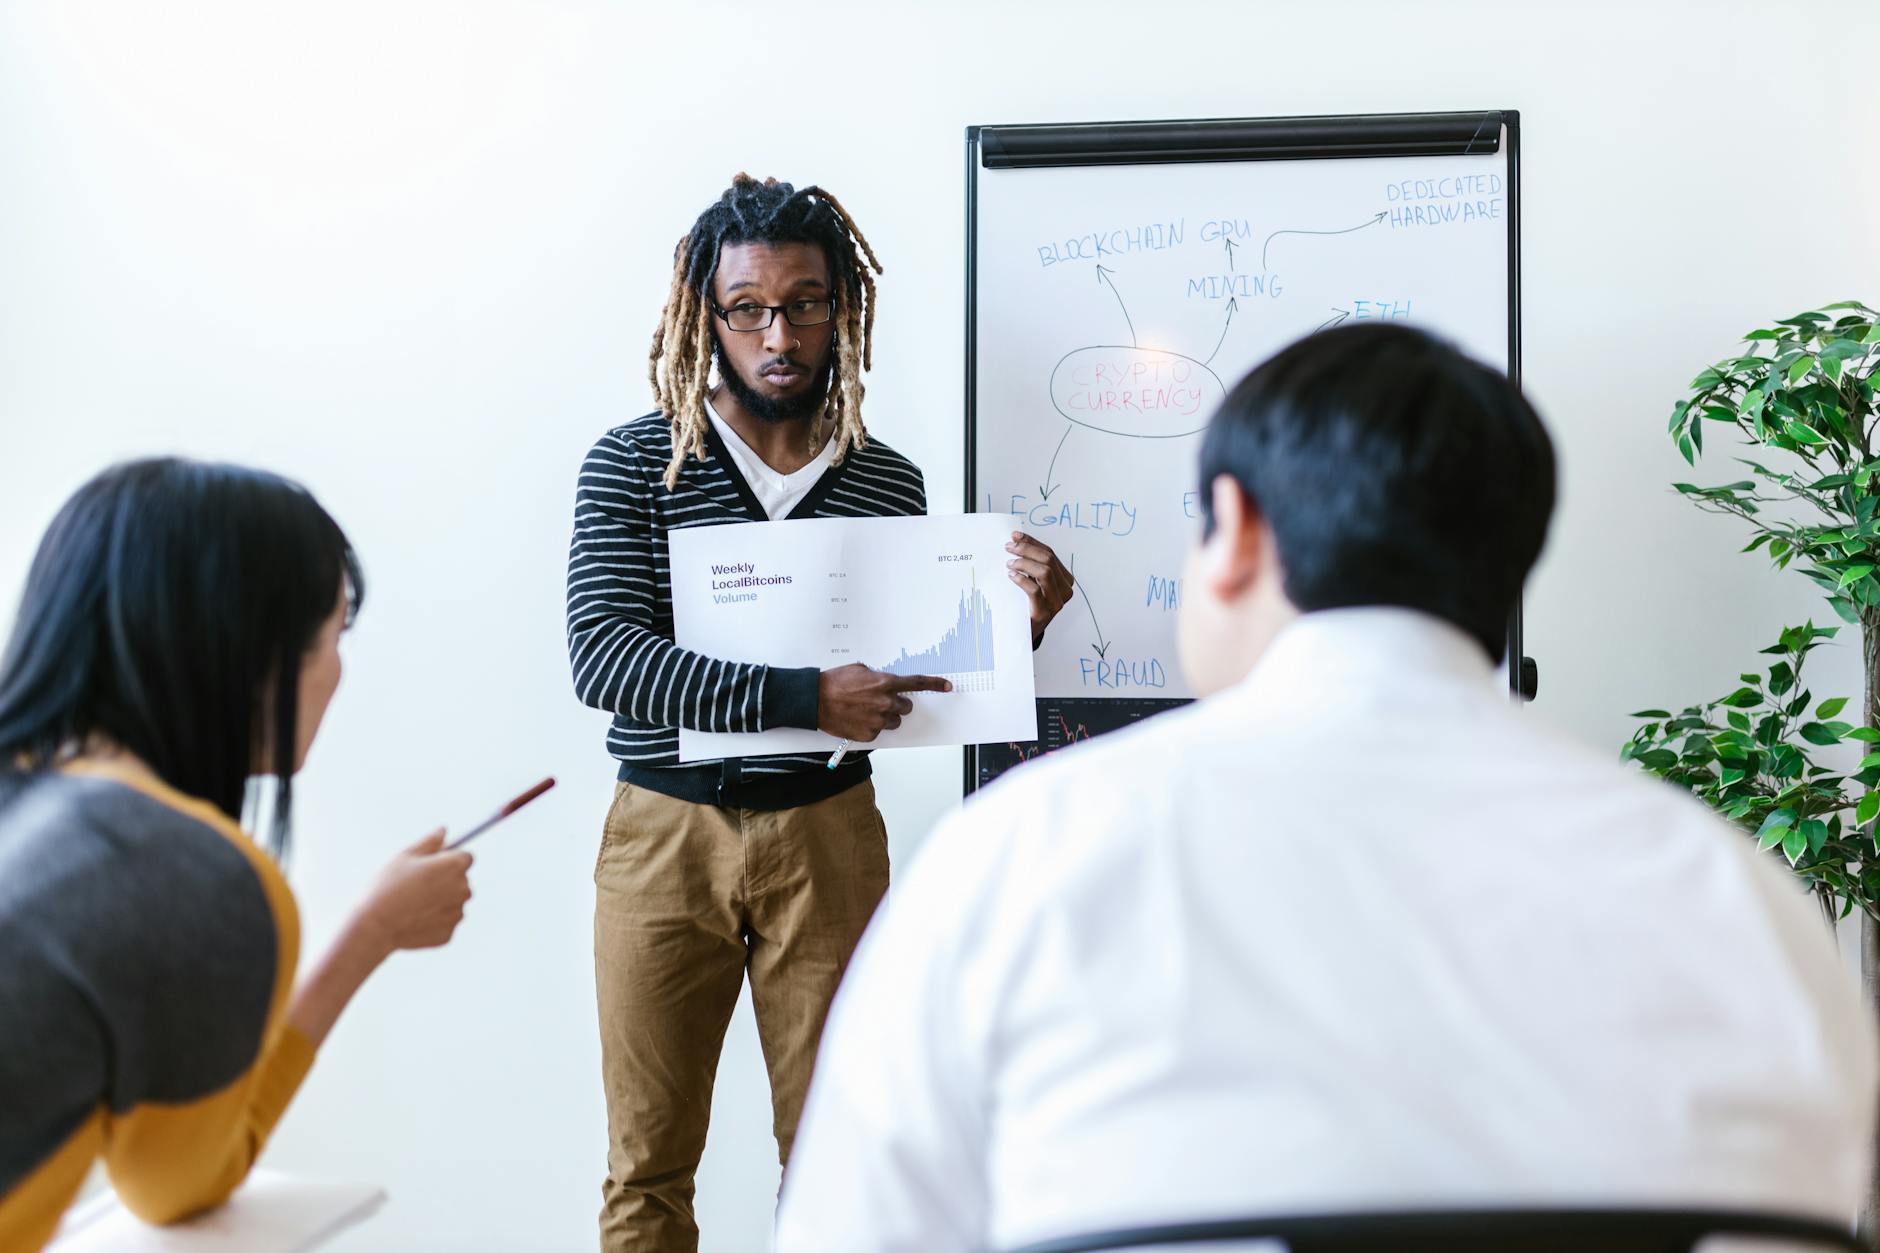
<point>1232,555</point>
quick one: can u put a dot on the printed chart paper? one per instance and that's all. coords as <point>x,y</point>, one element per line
<point>907,595</point>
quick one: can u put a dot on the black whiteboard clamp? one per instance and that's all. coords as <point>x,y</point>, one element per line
<point>1477,133</point>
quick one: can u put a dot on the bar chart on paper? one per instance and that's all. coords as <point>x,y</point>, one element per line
<point>964,656</point>
<point>920,596</point>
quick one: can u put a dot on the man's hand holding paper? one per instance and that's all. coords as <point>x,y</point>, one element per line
<point>920,631</point>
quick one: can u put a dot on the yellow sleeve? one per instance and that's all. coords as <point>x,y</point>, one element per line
<point>201,1062</point>
<point>169,1162</point>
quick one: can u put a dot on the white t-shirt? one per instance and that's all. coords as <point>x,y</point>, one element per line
<point>777,493</point>
<point>1356,933</point>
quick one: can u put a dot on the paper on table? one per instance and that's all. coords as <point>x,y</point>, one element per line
<point>270,1213</point>
<point>912,595</point>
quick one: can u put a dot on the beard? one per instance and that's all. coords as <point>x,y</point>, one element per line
<point>775,409</point>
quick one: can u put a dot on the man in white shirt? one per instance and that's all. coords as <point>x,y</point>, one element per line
<point>1352,932</point>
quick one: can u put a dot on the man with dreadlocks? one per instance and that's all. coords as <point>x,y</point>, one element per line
<point>771,864</point>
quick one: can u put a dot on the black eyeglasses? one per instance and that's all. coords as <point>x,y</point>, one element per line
<point>750,317</point>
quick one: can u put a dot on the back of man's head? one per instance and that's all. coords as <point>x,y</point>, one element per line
<point>1391,470</point>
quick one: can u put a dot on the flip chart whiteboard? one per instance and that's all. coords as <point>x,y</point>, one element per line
<point>1121,278</point>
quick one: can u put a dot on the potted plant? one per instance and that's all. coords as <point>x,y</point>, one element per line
<point>1804,388</point>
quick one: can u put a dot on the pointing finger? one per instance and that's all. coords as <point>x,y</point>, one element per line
<point>918,683</point>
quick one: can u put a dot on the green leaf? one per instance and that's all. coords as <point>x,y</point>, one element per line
<point>1730,775</point>
<point>1742,698</point>
<point>1854,574</point>
<point>1801,367</point>
<point>1794,844</point>
<point>1651,713</point>
<point>1750,409</point>
<point>1800,434</point>
<point>1777,818</point>
<point>1823,733</point>
<point>1829,708</point>
<point>1868,807</point>
<point>1815,832</point>
<point>1684,446</point>
<point>1774,827</point>
<point>1869,761</point>
<point>1866,735</point>
<point>1831,366</point>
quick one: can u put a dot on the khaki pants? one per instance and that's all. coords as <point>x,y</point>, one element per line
<point>687,898</point>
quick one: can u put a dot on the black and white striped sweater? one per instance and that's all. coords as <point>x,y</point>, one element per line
<point>620,634</point>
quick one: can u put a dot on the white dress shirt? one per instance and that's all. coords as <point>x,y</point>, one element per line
<point>777,493</point>
<point>1356,933</point>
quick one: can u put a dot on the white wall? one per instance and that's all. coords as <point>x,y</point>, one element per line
<point>411,253</point>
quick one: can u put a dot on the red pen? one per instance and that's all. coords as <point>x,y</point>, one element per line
<point>501,814</point>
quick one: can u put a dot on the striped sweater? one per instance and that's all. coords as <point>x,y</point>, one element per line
<point>620,632</point>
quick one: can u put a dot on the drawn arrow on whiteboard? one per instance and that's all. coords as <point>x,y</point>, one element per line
<point>1232,305</point>
<point>1103,276</point>
<point>1102,645</point>
<point>1230,252</point>
<point>1325,326</point>
<point>1043,490</point>
<point>1360,226</point>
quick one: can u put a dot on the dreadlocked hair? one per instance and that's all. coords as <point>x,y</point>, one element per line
<point>767,212</point>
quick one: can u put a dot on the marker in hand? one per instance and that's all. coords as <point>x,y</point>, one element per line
<point>501,814</point>
<point>835,758</point>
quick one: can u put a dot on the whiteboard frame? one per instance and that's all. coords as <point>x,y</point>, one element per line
<point>1468,133</point>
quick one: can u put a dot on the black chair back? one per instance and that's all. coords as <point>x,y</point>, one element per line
<point>1477,1231</point>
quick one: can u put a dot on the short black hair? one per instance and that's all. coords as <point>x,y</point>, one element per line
<point>1393,470</point>
<point>170,603</point>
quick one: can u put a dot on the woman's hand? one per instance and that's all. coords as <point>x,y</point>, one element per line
<point>418,898</point>
<point>416,902</point>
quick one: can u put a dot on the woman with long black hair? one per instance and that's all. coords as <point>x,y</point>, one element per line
<point>178,636</point>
